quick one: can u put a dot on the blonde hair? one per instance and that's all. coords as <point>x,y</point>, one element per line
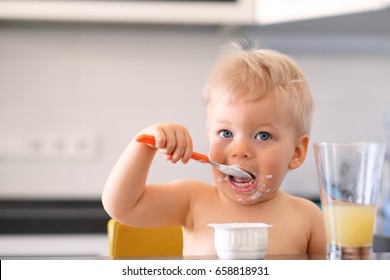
<point>248,74</point>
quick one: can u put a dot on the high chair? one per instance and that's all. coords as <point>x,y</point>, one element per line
<point>131,241</point>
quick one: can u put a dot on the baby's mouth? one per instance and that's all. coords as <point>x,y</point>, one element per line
<point>243,185</point>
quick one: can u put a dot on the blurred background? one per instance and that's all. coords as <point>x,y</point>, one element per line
<point>79,80</point>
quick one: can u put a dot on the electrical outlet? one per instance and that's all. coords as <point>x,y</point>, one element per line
<point>59,146</point>
<point>83,145</point>
<point>35,146</point>
<point>50,146</point>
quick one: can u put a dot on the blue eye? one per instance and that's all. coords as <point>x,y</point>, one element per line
<point>225,134</point>
<point>263,136</point>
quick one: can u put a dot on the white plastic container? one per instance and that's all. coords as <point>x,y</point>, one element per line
<point>240,240</point>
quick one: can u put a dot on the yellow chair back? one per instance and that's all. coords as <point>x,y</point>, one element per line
<point>132,241</point>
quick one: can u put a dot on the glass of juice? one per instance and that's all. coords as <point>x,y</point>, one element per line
<point>349,176</point>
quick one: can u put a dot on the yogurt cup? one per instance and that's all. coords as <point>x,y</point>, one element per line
<point>240,240</point>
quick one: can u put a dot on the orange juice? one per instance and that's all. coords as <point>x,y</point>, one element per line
<point>349,225</point>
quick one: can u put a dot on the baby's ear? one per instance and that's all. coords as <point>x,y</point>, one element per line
<point>300,152</point>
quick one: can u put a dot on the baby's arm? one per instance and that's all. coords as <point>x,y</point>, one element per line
<point>317,242</point>
<point>125,196</point>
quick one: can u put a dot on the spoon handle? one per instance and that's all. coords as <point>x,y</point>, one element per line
<point>149,139</point>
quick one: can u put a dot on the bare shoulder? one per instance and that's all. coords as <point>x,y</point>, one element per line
<point>190,188</point>
<point>312,219</point>
<point>310,216</point>
<point>304,206</point>
<point>192,185</point>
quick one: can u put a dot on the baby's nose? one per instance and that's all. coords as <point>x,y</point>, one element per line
<point>241,148</point>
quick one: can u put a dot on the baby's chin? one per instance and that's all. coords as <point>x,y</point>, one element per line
<point>245,191</point>
<point>243,198</point>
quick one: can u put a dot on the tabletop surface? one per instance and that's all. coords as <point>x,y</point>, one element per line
<point>374,256</point>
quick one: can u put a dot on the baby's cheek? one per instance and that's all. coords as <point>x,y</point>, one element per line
<point>217,154</point>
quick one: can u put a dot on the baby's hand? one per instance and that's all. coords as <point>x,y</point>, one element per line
<point>173,140</point>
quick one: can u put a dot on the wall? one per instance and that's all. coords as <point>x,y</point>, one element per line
<point>73,95</point>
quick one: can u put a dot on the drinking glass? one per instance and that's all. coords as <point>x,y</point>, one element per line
<point>349,177</point>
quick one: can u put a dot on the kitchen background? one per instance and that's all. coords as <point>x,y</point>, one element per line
<point>73,94</point>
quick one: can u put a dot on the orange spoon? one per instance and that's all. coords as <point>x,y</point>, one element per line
<point>232,170</point>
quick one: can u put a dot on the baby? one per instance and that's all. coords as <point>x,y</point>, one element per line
<point>259,110</point>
